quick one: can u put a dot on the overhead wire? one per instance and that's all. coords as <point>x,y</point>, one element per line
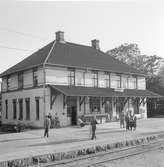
<point>20,49</point>
<point>23,34</point>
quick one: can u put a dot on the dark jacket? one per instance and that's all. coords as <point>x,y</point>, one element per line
<point>47,123</point>
<point>93,123</point>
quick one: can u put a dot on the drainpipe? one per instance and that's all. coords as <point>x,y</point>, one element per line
<point>44,80</point>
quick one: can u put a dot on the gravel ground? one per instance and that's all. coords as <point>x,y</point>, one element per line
<point>150,159</point>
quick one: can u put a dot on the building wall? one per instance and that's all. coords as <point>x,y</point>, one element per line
<point>59,76</point>
<point>27,80</point>
<point>31,93</point>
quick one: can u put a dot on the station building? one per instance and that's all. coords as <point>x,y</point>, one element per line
<point>71,80</point>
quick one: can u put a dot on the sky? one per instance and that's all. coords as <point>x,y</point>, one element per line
<point>26,26</point>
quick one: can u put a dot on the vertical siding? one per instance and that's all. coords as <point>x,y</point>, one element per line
<point>28,79</point>
<point>56,75</point>
<point>4,84</point>
<point>13,82</point>
<point>40,76</point>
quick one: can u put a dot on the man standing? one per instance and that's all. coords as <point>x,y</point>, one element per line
<point>93,126</point>
<point>122,120</point>
<point>127,120</point>
<point>47,124</point>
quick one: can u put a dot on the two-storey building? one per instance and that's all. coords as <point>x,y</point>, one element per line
<point>71,80</point>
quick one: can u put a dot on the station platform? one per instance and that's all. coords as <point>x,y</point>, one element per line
<point>30,144</point>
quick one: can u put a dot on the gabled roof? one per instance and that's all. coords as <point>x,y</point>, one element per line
<point>73,55</point>
<point>36,59</point>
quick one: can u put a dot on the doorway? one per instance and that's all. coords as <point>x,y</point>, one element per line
<point>72,109</point>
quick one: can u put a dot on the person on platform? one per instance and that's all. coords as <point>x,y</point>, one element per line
<point>122,120</point>
<point>93,127</point>
<point>127,121</point>
<point>47,124</point>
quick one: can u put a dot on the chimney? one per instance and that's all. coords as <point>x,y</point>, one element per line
<point>95,44</point>
<point>60,36</point>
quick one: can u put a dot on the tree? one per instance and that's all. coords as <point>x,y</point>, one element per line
<point>131,55</point>
<point>152,65</point>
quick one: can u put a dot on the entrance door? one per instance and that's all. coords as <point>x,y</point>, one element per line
<point>74,115</point>
<point>72,109</point>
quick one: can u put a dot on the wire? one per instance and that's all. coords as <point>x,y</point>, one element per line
<point>22,33</point>
<point>7,47</point>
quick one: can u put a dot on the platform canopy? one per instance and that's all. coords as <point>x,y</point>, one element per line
<point>102,92</point>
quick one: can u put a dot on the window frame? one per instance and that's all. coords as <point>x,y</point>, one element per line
<point>71,77</point>
<point>27,101</point>
<point>20,80</point>
<point>20,101</point>
<point>35,77</point>
<point>95,79</point>
<point>37,108</point>
<point>14,109</point>
<point>6,109</point>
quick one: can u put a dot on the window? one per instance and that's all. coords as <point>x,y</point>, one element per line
<point>115,81</point>
<point>79,77</point>
<point>14,109</point>
<point>4,84</point>
<point>20,80</point>
<point>8,82</point>
<point>107,80</point>
<point>132,82</point>
<point>20,109</point>
<point>57,76</point>
<point>95,79</point>
<point>94,103</point>
<point>37,107</point>
<point>6,106</point>
<point>103,80</point>
<point>88,79</point>
<point>141,83</point>
<point>35,77</point>
<point>125,81</point>
<point>27,100</point>
<point>71,77</point>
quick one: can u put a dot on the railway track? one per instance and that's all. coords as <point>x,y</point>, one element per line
<point>109,156</point>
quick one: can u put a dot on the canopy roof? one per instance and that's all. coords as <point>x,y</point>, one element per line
<point>103,92</point>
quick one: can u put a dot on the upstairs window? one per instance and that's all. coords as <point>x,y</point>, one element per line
<point>79,78</point>
<point>115,81</point>
<point>71,77</point>
<point>20,80</point>
<point>125,81</point>
<point>8,82</point>
<point>95,79</point>
<point>35,77</point>
<point>132,81</point>
<point>107,80</point>
<point>104,80</point>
